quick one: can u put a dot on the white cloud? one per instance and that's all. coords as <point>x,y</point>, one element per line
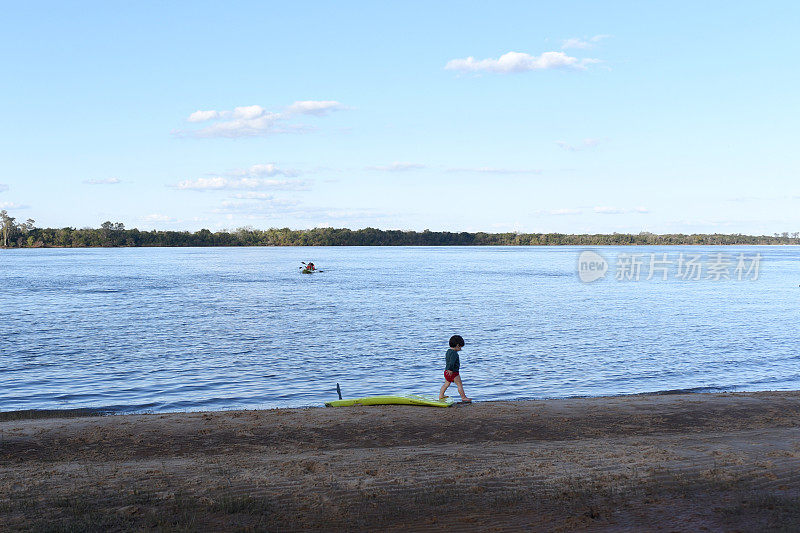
<point>103,181</point>
<point>253,196</point>
<point>772,198</point>
<point>398,166</point>
<point>619,211</point>
<point>520,62</point>
<point>344,214</point>
<point>13,205</point>
<point>583,43</point>
<point>564,212</point>
<point>156,217</point>
<point>315,107</point>
<point>252,178</point>
<point>250,112</point>
<point>220,183</point>
<point>203,116</point>
<point>3,187</point>
<point>244,124</point>
<point>495,170</point>
<point>609,210</point>
<point>748,198</point>
<point>265,169</point>
<point>263,207</point>
<point>281,209</point>
<point>583,145</point>
<point>258,204</point>
<point>575,43</point>
<point>255,121</point>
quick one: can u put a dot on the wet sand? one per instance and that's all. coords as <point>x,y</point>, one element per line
<point>694,462</point>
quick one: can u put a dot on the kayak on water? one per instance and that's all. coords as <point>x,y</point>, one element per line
<point>308,268</point>
<point>409,399</point>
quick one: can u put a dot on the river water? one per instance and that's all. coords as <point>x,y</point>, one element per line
<point>173,329</point>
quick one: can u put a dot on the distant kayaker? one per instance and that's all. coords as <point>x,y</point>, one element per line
<point>451,369</point>
<point>311,267</point>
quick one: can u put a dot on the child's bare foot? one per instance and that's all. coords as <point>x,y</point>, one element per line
<point>466,400</point>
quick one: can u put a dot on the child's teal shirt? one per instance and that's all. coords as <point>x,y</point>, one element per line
<point>452,362</point>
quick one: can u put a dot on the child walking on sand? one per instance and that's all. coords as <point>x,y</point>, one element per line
<point>451,368</point>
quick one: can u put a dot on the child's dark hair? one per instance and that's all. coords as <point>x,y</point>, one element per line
<point>456,340</point>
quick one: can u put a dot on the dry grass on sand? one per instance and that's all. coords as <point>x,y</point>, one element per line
<point>716,462</point>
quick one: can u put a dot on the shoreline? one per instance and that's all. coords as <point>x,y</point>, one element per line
<point>723,461</point>
<point>79,412</point>
<point>582,246</point>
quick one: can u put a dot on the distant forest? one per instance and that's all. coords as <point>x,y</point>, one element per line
<point>111,234</point>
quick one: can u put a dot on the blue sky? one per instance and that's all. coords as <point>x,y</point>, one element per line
<point>463,116</point>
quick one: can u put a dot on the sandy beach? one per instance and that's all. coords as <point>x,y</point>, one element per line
<point>684,462</point>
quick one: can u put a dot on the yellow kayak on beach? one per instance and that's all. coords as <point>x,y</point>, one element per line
<point>410,399</point>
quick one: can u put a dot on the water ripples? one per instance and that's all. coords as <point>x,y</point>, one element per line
<point>160,329</point>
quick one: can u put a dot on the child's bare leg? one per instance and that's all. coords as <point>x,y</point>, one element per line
<point>461,388</point>
<point>444,388</point>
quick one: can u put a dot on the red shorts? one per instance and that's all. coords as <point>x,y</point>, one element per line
<point>449,375</point>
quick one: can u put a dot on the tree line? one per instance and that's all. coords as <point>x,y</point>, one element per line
<point>110,234</point>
